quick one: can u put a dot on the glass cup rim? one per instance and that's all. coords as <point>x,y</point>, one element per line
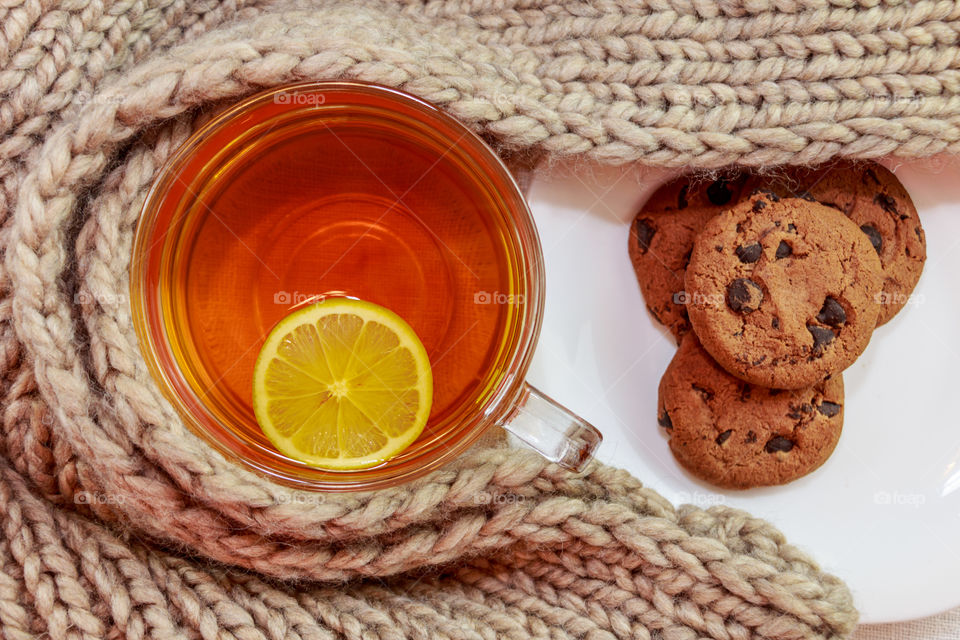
<point>522,228</point>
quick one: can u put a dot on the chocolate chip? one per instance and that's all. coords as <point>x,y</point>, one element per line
<point>778,444</point>
<point>759,206</point>
<point>821,337</point>
<point>791,227</point>
<point>870,174</point>
<point>759,361</point>
<point>886,202</point>
<point>664,420</point>
<point>718,248</point>
<point>718,193</point>
<point>723,437</point>
<point>704,392</point>
<point>784,250</point>
<point>829,409</point>
<point>919,233</point>
<point>751,437</point>
<point>645,232</point>
<point>796,412</point>
<point>769,194</point>
<point>745,391</point>
<point>775,323</point>
<point>744,295</point>
<point>749,253</point>
<point>875,238</point>
<point>832,313</point>
<point>682,197</point>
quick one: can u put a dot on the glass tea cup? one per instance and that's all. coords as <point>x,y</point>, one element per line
<point>339,188</point>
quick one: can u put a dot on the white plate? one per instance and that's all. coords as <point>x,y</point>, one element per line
<point>883,512</point>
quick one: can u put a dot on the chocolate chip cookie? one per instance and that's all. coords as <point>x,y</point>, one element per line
<point>736,435</point>
<point>874,199</point>
<point>783,291</point>
<point>661,238</point>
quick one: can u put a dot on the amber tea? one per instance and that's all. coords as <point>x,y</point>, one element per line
<point>276,208</point>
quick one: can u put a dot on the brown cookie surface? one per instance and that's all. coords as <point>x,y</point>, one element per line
<point>737,435</point>
<point>662,235</point>
<point>783,292</point>
<point>875,200</point>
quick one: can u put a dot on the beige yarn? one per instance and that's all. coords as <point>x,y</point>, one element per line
<point>112,511</point>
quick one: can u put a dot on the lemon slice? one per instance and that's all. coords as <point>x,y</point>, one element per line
<point>342,384</point>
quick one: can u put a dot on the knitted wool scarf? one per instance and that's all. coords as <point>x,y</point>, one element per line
<point>118,522</point>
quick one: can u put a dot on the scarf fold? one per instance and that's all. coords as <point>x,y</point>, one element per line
<point>119,522</point>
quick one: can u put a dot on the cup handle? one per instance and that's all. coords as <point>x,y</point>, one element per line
<point>558,434</point>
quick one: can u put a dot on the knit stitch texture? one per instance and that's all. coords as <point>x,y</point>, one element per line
<point>118,522</point>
